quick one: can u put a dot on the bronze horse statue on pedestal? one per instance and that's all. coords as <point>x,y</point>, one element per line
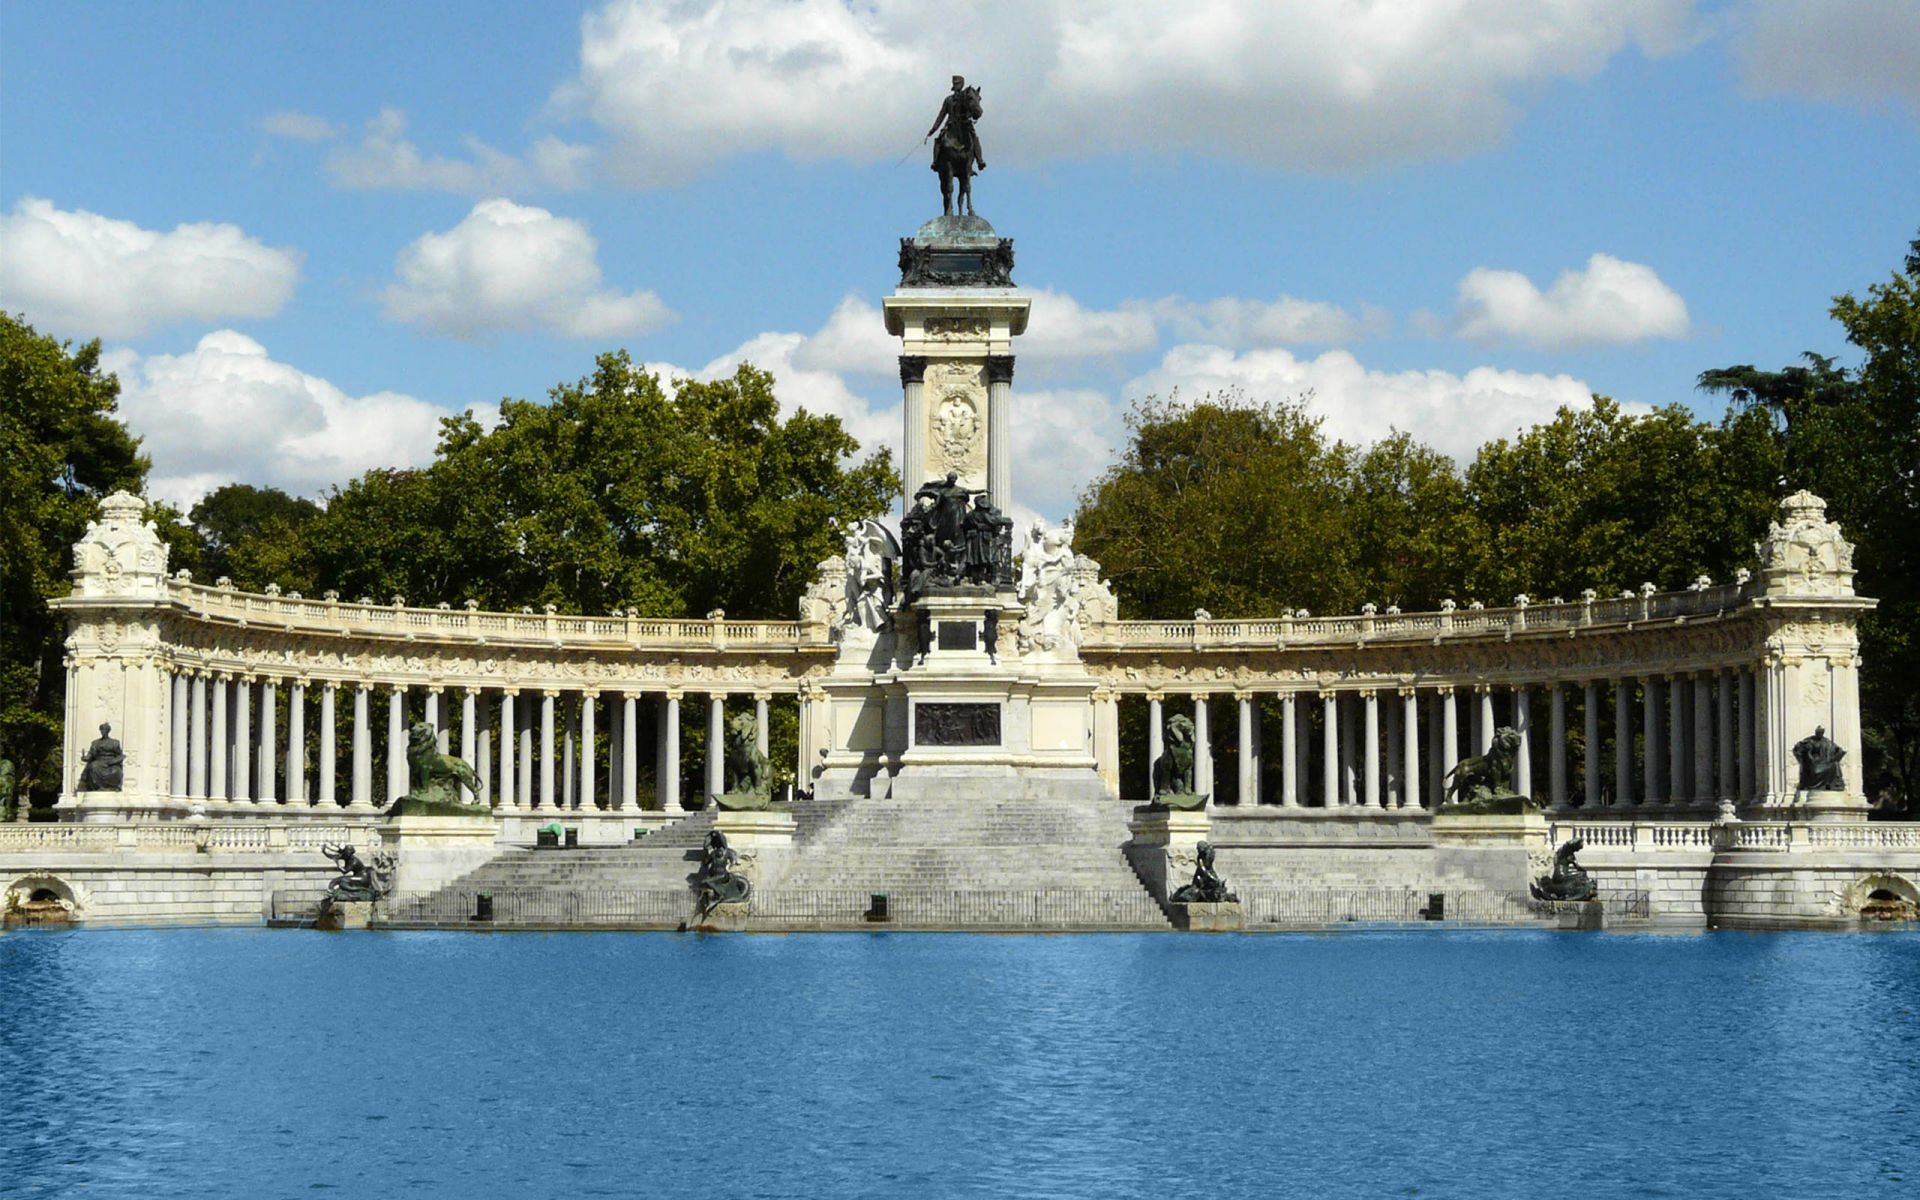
<point>956,150</point>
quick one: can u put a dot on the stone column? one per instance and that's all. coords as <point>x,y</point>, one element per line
<point>509,741</point>
<point>1483,723</point>
<point>569,742</point>
<point>197,739</point>
<point>483,759</point>
<point>1370,704</point>
<point>177,772</point>
<point>362,751</point>
<point>1202,748</point>
<point>547,798</point>
<point>1156,738</point>
<point>396,743</point>
<point>1650,734</point>
<point>269,742</point>
<point>760,730</point>
<point>431,715</point>
<point>1747,737</point>
<point>1000,435</point>
<point>1449,736</point>
<point>469,736</point>
<point>670,753</point>
<point>297,742</point>
<point>1678,764</point>
<point>328,793</point>
<point>1622,742</point>
<point>1410,747</point>
<point>524,751</point>
<point>1557,750</point>
<point>1330,749</point>
<point>913,451</point>
<point>1703,738</point>
<point>1349,752</point>
<point>1289,753</point>
<point>1590,759</point>
<point>219,748</point>
<point>1523,757</point>
<point>1723,740</point>
<point>1393,777</point>
<point>589,787</point>
<point>716,743</point>
<point>629,750</point>
<point>241,773</point>
<point>1106,738</point>
<point>1248,780</point>
<point>1436,753</point>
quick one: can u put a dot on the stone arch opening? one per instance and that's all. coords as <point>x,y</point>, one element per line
<point>40,899</point>
<point>1884,897</point>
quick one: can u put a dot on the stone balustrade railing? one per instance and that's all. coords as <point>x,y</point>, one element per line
<point>301,615</point>
<point>179,836</point>
<point>1665,835</point>
<point>1274,633</point>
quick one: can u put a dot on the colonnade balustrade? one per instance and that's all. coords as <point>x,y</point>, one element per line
<point>1680,742</point>
<point>532,751</point>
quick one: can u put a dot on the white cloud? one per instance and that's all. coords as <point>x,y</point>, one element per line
<point>1452,413</point>
<point>854,339</point>
<point>510,267</point>
<point>1865,51</point>
<point>1062,329</point>
<point>817,390</point>
<point>1609,303</point>
<point>225,411</point>
<point>1325,87</point>
<point>1062,439</point>
<point>301,127</point>
<point>385,158</point>
<point>1285,321</point>
<point>79,274</point>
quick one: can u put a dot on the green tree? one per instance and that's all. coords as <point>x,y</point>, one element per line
<point>61,450</point>
<point>243,530</point>
<point>1601,498</point>
<point>619,492</point>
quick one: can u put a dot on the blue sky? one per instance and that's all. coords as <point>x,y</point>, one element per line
<point>303,231</point>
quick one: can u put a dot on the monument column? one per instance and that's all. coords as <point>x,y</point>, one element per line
<point>670,753</point>
<point>1523,755</point>
<point>716,743</point>
<point>1370,702</point>
<point>1000,443</point>
<point>197,739</point>
<point>1349,751</point>
<point>1410,746</point>
<point>241,772</point>
<point>1248,777</point>
<point>328,792</point>
<point>432,718</point>
<point>1156,739</point>
<point>1483,719</point>
<point>1652,751</point>
<point>218,747</point>
<point>1703,716</point>
<point>1677,764</point>
<point>396,742</point>
<point>177,774</point>
<point>362,752</point>
<point>507,741</point>
<point>270,741</point>
<point>1557,749</point>
<point>589,789</point>
<point>297,742</point>
<point>1289,753</point>
<point>913,450</point>
<point>1449,736</point>
<point>1393,777</point>
<point>1330,749</point>
<point>1724,742</point>
<point>469,736</point>
<point>547,799</point>
<point>1747,736</point>
<point>1202,748</point>
<point>1622,743</point>
<point>629,749</point>
<point>1590,758</point>
<point>760,732</point>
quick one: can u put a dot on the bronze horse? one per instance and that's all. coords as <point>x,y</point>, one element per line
<point>956,149</point>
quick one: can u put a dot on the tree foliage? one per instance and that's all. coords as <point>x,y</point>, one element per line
<point>61,449</point>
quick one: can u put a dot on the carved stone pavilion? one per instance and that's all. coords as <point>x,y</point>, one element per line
<point>959,716</point>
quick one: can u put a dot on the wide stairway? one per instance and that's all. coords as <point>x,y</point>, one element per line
<point>944,863</point>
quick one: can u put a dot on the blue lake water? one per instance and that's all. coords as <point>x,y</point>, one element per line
<point>262,1063</point>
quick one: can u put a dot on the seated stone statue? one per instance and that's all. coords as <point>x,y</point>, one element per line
<point>1173,773</point>
<point>105,763</point>
<point>1820,760</point>
<point>717,882</point>
<point>1207,886</point>
<point>1569,881</point>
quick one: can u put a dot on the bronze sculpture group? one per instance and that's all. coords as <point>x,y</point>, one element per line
<point>1569,880</point>
<point>717,882</point>
<point>1207,886</point>
<point>953,536</point>
<point>956,153</point>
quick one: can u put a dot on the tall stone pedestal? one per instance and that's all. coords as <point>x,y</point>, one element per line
<point>763,838</point>
<point>1162,849</point>
<point>433,851</point>
<point>1504,850</point>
